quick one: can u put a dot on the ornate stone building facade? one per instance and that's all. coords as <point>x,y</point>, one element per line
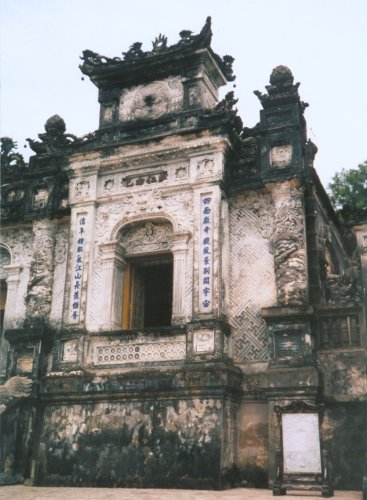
<point>170,280</point>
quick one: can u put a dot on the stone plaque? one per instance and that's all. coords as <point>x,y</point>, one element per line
<point>301,443</point>
<point>203,342</point>
<point>288,344</point>
<point>25,362</point>
<point>70,351</point>
<point>281,156</point>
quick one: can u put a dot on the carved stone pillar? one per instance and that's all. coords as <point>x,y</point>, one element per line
<point>360,231</point>
<point>113,265</point>
<point>288,241</point>
<point>39,292</point>
<point>289,323</point>
<point>179,251</point>
<point>12,281</point>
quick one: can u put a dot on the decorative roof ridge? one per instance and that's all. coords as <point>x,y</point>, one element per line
<point>188,40</point>
<point>12,163</point>
<point>93,61</point>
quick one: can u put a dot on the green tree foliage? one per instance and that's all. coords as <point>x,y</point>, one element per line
<point>348,193</point>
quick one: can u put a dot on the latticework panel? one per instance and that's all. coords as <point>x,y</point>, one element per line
<point>251,274</point>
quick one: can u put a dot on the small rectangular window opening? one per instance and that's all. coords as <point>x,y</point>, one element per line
<point>148,292</point>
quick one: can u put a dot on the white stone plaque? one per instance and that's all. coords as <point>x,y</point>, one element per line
<point>25,363</point>
<point>281,156</point>
<point>203,342</point>
<point>70,351</point>
<point>301,443</point>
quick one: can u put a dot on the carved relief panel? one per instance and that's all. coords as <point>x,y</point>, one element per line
<point>146,237</point>
<point>145,204</point>
<point>142,179</point>
<point>151,101</point>
<point>288,242</point>
<point>83,189</point>
<point>207,167</point>
<point>39,291</point>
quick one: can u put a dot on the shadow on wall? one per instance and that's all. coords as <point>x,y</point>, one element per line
<point>344,428</point>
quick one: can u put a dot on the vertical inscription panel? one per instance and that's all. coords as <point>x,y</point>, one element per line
<point>77,270</point>
<point>206,254</point>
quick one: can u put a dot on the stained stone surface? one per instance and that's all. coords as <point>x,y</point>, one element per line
<point>157,442</point>
<point>267,285</point>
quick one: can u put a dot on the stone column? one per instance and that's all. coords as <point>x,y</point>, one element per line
<point>289,242</point>
<point>113,265</point>
<point>12,281</point>
<point>289,322</point>
<point>39,291</point>
<point>360,231</point>
<point>179,251</point>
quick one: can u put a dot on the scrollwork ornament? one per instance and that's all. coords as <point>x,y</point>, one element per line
<point>61,246</point>
<point>145,238</point>
<point>288,243</point>
<point>39,291</point>
<point>14,388</point>
<point>20,243</point>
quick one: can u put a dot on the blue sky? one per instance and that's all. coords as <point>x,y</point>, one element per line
<point>323,42</point>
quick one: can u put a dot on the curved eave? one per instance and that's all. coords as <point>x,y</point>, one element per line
<point>107,75</point>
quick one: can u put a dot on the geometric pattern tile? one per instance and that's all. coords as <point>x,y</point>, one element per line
<point>251,273</point>
<point>121,353</point>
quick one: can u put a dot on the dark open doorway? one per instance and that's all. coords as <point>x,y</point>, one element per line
<point>148,288</point>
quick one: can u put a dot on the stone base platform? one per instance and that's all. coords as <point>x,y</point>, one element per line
<point>38,493</point>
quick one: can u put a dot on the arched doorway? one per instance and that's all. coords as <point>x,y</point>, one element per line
<point>148,275</point>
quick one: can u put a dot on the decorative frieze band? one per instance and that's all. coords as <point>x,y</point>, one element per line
<point>122,353</point>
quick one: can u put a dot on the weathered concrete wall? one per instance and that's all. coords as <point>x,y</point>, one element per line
<point>15,425</point>
<point>344,380</point>
<point>229,470</point>
<point>344,374</point>
<point>136,444</point>
<point>344,437</point>
<point>253,437</point>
